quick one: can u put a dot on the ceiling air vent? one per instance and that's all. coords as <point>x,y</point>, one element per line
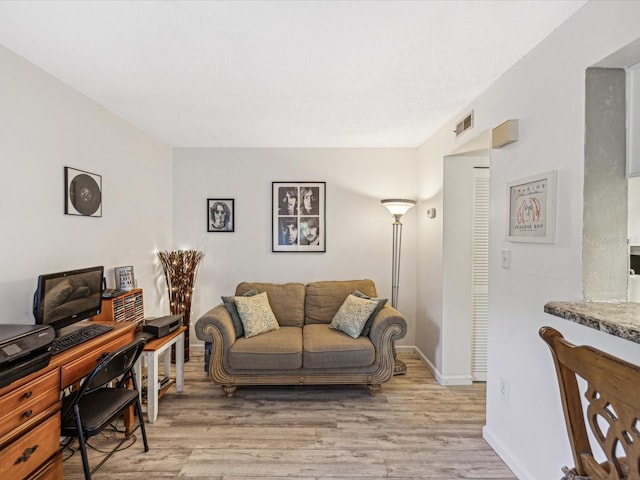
<point>464,125</point>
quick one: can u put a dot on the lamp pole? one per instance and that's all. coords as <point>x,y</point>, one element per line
<point>397,208</point>
<point>395,262</point>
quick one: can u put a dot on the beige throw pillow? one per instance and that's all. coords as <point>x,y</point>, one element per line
<point>256,314</point>
<point>352,315</point>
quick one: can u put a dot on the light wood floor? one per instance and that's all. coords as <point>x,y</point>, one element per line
<point>414,429</point>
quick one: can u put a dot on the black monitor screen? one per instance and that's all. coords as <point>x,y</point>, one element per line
<point>64,298</point>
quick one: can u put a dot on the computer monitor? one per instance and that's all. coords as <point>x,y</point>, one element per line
<point>64,298</point>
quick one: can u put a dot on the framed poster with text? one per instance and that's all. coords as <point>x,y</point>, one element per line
<point>531,209</point>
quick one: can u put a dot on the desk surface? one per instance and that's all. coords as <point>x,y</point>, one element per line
<point>119,329</point>
<point>121,332</point>
<point>621,319</point>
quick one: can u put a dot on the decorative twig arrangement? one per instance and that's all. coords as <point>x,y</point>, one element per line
<point>180,267</point>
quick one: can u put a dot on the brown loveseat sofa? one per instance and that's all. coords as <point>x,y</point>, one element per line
<point>303,350</point>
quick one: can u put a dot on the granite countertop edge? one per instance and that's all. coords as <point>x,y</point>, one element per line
<point>621,319</point>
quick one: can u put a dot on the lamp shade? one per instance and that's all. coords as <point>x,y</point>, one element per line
<point>398,206</point>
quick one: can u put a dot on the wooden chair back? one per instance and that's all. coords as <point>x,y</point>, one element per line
<point>612,408</point>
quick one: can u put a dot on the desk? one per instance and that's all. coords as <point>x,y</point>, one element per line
<point>77,362</point>
<point>30,407</point>
<point>150,355</point>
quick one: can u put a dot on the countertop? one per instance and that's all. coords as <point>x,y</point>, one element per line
<point>621,319</point>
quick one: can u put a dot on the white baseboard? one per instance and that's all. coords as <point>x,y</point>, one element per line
<point>406,348</point>
<point>506,455</point>
<point>448,380</point>
<point>452,380</point>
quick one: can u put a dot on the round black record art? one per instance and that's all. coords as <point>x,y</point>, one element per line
<point>85,194</point>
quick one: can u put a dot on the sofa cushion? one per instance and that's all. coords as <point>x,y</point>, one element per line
<point>328,348</point>
<point>324,299</point>
<point>256,314</point>
<point>278,349</point>
<point>352,315</point>
<point>381,303</point>
<point>230,303</point>
<point>287,300</point>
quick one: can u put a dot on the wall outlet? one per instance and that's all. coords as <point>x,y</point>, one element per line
<point>504,388</point>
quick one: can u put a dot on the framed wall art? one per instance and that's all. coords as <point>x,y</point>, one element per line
<point>298,214</point>
<point>125,279</point>
<point>83,193</point>
<point>220,215</point>
<point>531,209</point>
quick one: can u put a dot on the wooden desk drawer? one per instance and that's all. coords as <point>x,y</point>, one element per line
<point>83,365</point>
<point>29,452</point>
<point>26,403</point>
<point>52,470</point>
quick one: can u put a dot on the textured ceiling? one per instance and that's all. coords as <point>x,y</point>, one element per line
<point>281,73</point>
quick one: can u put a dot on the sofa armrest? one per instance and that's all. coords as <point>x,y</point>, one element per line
<point>388,326</point>
<point>217,318</point>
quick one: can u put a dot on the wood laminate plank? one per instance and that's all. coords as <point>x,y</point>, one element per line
<point>414,429</point>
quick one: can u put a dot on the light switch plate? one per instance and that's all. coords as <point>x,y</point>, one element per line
<point>505,258</point>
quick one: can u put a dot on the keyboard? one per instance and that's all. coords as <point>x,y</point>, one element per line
<point>65,342</point>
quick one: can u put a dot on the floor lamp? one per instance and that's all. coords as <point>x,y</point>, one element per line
<point>397,207</point>
<point>180,267</point>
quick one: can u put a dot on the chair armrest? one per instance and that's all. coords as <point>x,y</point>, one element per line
<point>219,318</point>
<point>388,325</point>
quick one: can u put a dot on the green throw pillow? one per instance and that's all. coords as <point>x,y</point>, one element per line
<point>230,303</point>
<point>352,315</point>
<point>381,303</point>
<point>256,315</point>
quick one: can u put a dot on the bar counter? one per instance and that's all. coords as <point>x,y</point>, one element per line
<point>621,319</point>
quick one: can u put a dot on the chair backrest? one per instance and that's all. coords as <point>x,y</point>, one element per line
<point>612,408</point>
<point>115,365</point>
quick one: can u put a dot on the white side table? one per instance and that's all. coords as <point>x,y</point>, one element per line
<point>150,356</point>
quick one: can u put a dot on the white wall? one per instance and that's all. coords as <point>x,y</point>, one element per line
<point>359,231</point>
<point>44,126</point>
<point>444,329</point>
<point>634,210</point>
<point>457,332</point>
<point>546,92</point>
<point>429,307</point>
<point>633,119</point>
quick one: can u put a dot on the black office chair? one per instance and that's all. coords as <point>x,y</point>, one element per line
<point>104,395</point>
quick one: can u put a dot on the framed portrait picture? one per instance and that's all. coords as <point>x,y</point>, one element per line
<point>531,209</point>
<point>298,213</point>
<point>220,215</point>
<point>83,193</point>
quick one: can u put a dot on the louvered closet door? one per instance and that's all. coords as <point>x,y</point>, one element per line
<point>480,274</point>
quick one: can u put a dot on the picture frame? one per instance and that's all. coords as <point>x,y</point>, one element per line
<point>531,209</point>
<point>124,278</point>
<point>298,217</point>
<point>221,215</point>
<point>83,193</point>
